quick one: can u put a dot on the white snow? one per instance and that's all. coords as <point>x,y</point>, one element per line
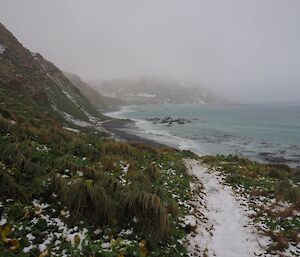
<point>75,121</point>
<point>42,148</point>
<point>190,220</point>
<point>92,119</point>
<point>2,49</point>
<point>125,168</point>
<point>224,229</point>
<point>146,95</point>
<point>3,221</point>
<point>30,237</point>
<point>81,236</point>
<point>34,55</point>
<point>105,245</point>
<point>71,129</point>
<point>72,99</point>
<point>27,249</point>
<point>125,232</point>
<point>98,231</point>
<point>42,247</point>
<point>200,101</point>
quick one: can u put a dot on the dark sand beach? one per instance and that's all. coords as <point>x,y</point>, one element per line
<point>119,128</point>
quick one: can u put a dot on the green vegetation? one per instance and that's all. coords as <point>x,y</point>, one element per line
<point>61,101</point>
<point>100,101</point>
<point>273,191</point>
<point>81,194</point>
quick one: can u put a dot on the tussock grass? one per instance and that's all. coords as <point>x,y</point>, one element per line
<point>143,148</point>
<point>82,149</point>
<point>148,208</point>
<point>5,126</point>
<point>132,169</point>
<point>66,162</point>
<point>278,171</point>
<point>103,200</point>
<point>109,163</point>
<point>6,114</point>
<point>111,147</point>
<point>180,167</point>
<point>87,199</point>
<point>153,172</point>
<point>173,208</point>
<point>285,190</point>
<point>10,188</point>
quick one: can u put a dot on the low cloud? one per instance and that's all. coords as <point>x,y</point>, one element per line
<point>247,50</point>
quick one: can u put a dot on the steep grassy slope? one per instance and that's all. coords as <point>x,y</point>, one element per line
<point>80,194</point>
<point>99,101</point>
<point>65,192</point>
<point>31,75</point>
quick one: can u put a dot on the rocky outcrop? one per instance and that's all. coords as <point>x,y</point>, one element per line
<point>169,121</point>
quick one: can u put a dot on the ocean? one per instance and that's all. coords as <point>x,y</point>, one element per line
<point>263,133</point>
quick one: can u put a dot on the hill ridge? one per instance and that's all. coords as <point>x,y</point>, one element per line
<point>30,74</point>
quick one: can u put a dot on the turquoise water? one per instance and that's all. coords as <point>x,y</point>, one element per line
<point>266,133</point>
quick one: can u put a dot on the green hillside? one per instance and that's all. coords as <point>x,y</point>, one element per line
<point>52,177</point>
<point>98,100</point>
<point>29,74</point>
<point>65,192</point>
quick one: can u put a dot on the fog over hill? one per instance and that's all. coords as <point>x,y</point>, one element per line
<point>95,97</point>
<point>151,90</point>
<point>246,50</point>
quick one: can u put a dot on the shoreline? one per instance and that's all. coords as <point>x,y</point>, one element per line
<point>117,128</point>
<point>125,129</point>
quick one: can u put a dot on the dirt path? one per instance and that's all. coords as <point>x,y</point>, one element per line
<point>223,227</point>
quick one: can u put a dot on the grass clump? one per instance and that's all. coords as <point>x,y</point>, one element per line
<point>87,199</point>
<point>149,210</point>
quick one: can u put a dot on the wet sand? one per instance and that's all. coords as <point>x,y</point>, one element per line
<point>118,127</point>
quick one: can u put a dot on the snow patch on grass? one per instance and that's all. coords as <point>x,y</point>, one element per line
<point>71,129</point>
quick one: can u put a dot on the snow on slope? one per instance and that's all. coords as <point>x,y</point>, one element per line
<point>2,49</point>
<point>223,227</point>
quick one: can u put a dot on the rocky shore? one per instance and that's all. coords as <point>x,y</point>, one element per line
<point>169,121</point>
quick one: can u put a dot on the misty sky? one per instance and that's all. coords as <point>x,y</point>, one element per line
<point>245,49</point>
